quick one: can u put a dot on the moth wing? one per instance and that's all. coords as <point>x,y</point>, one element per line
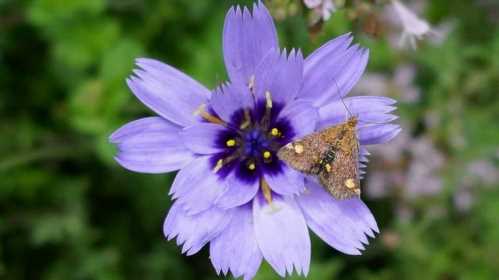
<point>342,181</point>
<point>303,154</point>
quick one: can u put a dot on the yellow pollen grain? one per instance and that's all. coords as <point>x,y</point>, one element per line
<point>275,132</point>
<point>251,166</point>
<point>328,168</point>
<point>266,155</point>
<point>349,183</point>
<point>298,148</point>
<point>230,143</point>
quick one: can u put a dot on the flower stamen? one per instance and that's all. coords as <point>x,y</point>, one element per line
<point>220,164</point>
<point>201,111</point>
<point>223,161</point>
<point>268,100</point>
<point>268,109</point>
<point>267,193</point>
<point>247,120</point>
<point>251,83</point>
<point>251,87</point>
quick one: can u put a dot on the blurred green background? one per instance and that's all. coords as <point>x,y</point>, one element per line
<point>68,211</point>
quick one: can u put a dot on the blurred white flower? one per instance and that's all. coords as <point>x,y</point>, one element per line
<point>322,8</point>
<point>463,199</point>
<point>410,168</point>
<point>423,178</point>
<point>484,172</point>
<point>400,85</point>
<point>413,27</point>
<point>404,80</point>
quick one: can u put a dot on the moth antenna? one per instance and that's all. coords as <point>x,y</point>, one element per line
<point>349,114</point>
<point>348,110</point>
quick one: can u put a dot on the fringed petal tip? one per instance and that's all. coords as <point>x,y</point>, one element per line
<point>343,224</point>
<point>378,134</point>
<point>247,37</point>
<point>346,63</point>
<point>194,231</point>
<point>235,250</point>
<point>291,251</point>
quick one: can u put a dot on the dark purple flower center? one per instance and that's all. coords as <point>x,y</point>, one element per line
<point>250,142</point>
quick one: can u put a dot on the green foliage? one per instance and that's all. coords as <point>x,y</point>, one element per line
<point>68,211</point>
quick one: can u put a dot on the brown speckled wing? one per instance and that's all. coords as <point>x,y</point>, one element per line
<point>342,178</point>
<point>332,155</point>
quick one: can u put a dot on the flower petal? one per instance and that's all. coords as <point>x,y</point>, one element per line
<point>237,192</point>
<point>236,249</point>
<point>229,98</point>
<point>302,115</point>
<point>343,224</point>
<point>368,109</point>
<point>150,145</point>
<point>247,37</point>
<point>287,182</point>
<point>280,74</point>
<point>196,187</point>
<point>167,91</point>
<point>200,138</point>
<point>332,71</point>
<point>194,231</point>
<point>282,234</point>
<point>377,134</point>
<point>332,48</point>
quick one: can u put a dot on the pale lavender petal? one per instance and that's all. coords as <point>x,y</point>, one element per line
<point>282,235</point>
<point>229,98</point>
<point>332,48</point>
<point>194,231</point>
<point>236,249</point>
<point>200,138</point>
<point>196,187</point>
<point>286,182</point>
<point>280,74</point>
<point>150,145</point>
<point>363,160</point>
<point>335,73</point>
<point>247,37</point>
<point>237,192</point>
<point>302,115</point>
<point>343,224</point>
<point>368,109</point>
<point>377,134</point>
<point>363,154</point>
<point>167,91</point>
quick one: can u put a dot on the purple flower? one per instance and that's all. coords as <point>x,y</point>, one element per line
<point>231,190</point>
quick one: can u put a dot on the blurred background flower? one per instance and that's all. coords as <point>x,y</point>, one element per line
<point>69,212</point>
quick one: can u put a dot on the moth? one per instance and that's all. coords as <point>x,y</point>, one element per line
<point>332,155</point>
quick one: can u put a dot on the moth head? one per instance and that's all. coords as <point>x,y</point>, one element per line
<point>352,121</point>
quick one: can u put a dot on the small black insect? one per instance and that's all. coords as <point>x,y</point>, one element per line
<point>325,161</point>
